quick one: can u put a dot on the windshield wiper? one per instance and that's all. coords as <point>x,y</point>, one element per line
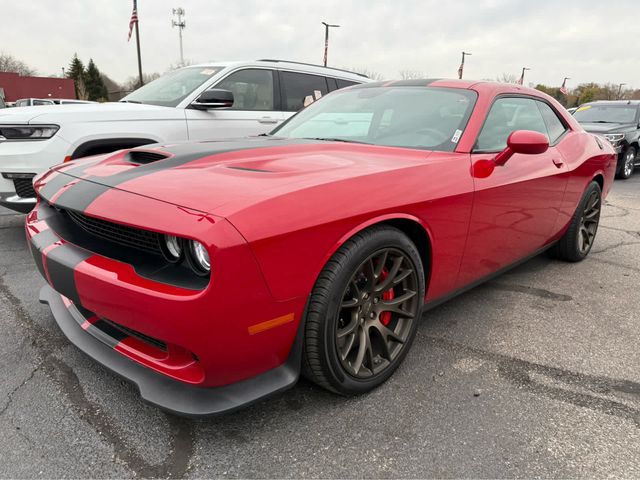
<point>602,121</point>
<point>129,101</point>
<point>337,140</point>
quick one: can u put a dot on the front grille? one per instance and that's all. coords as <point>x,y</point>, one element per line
<point>24,187</point>
<point>137,238</point>
<point>140,336</point>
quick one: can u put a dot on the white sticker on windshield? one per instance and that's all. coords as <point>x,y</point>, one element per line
<point>207,71</point>
<point>456,136</point>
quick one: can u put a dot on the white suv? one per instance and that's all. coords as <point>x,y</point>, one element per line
<point>202,102</point>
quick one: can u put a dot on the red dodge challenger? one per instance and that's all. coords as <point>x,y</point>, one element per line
<point>213,274</point>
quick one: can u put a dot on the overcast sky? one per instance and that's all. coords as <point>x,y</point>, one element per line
<point>587,40</point>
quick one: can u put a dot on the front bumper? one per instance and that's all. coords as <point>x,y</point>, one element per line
<point>15,202</point>
<point>209,350</point>
<point>162,391</point>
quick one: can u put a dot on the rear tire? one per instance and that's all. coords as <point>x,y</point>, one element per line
<point>576,243</point>
<point>363,312</point>
<point>627,163</point>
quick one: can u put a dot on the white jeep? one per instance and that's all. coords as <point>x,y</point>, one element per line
<point>202,102</point>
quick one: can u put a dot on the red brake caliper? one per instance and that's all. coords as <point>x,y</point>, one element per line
<point>385,317</point>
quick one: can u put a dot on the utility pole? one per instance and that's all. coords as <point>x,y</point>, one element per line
<point>620,89</point>
<point>326,39</point>
<point>180,24</point>
<point>461,69</point>
<point>62,72</point>
<point>521,81</point>
<point>135,9</point>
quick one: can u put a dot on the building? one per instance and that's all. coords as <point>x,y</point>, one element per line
<point>16,87</point>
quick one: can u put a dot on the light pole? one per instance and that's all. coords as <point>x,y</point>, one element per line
<point>521,81</point>
<point>180,24</point>
<point>461,69</point>
<point>326,39</point>
<point>620,89</point>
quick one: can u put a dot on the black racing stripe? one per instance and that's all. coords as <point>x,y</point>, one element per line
<point>61,264</point>
<point>189,152</point>
<point>107,333</point>
<point>38,243</point>
<point>54,185</point>
<point>81,195</point>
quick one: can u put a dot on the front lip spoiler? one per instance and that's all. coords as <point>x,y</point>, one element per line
<point>19,204</point>
<point>172,395</point>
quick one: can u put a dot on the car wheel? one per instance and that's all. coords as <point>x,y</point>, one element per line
<point>576,243</point>
<point>628,163</point>
<point>363,312</point>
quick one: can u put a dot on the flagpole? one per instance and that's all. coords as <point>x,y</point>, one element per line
<point>135,7</point>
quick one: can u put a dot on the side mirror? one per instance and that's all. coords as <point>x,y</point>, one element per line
<point>525,142</point>
<point>214,98</point>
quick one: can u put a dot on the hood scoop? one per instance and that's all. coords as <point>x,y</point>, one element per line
<point>145,156</point>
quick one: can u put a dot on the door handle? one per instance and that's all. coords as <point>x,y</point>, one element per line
<point>268,120</point>
<point>557,162</point>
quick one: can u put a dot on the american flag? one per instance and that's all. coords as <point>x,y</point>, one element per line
<point>521,79</point>
<point>563,88</point>
<point>132,22</point>
<point>460,70</point>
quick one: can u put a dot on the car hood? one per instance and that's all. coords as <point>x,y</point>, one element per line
<point>223,177</point>
<point>608,127</point>
<point>86,112</point>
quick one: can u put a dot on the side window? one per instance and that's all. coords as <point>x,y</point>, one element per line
<point>555,126</point>
<point>297,86</point>
<point>252,89</point>
<point>345,83</point>
<point>508,115</point>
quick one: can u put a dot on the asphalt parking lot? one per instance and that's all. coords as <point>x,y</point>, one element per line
<point>535,374</point>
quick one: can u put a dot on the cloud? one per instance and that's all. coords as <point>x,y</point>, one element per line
<point>555,39</point>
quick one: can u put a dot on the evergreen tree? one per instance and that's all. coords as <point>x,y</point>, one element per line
<point>76,71</point>
<point>96,89</point>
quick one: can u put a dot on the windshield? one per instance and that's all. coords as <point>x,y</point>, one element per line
<point>412,117</point>
<point>170,89</point>
<point>606,114</point>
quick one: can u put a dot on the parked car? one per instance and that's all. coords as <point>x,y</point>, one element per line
<point>33,102</point>
<point>69,101</point>
<point>211,274</point>
<point>619,122</point>
<point>203,102</point>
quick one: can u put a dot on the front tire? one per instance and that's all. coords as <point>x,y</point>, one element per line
<point>576,243</point>
<point>628,163</point>
<point>363,312</point>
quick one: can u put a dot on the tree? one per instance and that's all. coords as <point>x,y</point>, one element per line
<point>507,78</point>
<point>411,74</point>
<point>77,72</point>
<point>96,89</point>
<point>11,64</point>
<point>554,92</point>
<point>373,75</point>
<point>133,83</point>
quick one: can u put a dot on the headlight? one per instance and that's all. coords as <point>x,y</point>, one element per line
<point>171,248</point>
<point>199,258</point>
<point>28,132</point>
<point>614,137</point>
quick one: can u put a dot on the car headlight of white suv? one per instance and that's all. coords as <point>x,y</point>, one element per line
<point>27,132</point>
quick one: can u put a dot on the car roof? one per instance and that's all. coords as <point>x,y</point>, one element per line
<point>614,102</point>
<point>482,86</point>
<point>290,65</point>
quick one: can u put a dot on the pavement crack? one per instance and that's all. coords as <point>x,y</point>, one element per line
<point>10,395</point>
<point>525,375</point>
<point>177,461</point>
<point>536,292</point>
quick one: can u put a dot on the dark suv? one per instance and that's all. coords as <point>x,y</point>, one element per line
<point>619,122</point>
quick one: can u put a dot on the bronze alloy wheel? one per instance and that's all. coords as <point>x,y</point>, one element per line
<point>589,223</point>
<point>377,312</point>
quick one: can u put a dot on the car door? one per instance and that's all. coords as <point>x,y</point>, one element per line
<point>516,205</point>
<point>254,111</point>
